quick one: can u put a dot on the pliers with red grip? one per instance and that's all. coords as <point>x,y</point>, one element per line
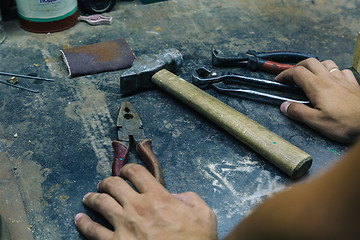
<point>270,61</point>
<point>130,130</point>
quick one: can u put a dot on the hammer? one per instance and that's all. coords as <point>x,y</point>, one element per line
<point>149,71</point>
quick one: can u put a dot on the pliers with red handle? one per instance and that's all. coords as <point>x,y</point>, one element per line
<point>130,130</point>
<point>270,61</point>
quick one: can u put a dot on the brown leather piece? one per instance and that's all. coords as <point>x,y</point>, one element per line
<point>99,57</point>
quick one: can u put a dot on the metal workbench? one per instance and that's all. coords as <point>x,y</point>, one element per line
<point>55,146</point>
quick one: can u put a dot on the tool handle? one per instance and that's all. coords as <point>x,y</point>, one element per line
<point>275,67</point>
<point>148,157</point>
<point>121,151</point>
<point>267,65</point>
<point>281,56</point>
<point>287,157</point>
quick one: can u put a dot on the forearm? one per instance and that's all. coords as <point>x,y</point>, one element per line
<point>323,208</point>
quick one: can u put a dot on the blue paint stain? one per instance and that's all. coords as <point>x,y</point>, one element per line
<point>274,142</point>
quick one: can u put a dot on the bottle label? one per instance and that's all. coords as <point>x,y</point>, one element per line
<point>45,10</point>
<point>48,1</point>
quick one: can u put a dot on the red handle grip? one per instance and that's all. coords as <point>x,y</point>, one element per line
<point>275,67</point>
<point>121,151</point>
<point>148,157</point>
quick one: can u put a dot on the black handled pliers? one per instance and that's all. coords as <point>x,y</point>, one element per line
<point>270,61</point>
<point>204,78</point>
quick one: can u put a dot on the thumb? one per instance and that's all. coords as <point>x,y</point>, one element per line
<point>299,112</point>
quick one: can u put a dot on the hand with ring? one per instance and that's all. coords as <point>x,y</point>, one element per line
<point>334,94</point>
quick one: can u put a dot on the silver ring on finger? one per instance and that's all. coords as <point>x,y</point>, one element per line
<point>334,69</point>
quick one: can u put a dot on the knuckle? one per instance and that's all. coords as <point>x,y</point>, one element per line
<point>328,62</point>
<point>298,71</point>
<point>312,60</point>
<point>109,182</point>
<point>131,169</point>
<point>298,68</point>
<point>346,71</point>
<point>309,61</point>
<point>192,195</point>
<point>101,200</point>
<point>92,230</point>
<point>141,209</point>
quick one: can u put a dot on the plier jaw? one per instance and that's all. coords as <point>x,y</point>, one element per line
<point>220,60</point>
<point>129,125</point>
<point>270,61</point>
<point>130,131</point>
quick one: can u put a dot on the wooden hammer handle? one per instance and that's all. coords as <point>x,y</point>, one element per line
<point>287,157</point>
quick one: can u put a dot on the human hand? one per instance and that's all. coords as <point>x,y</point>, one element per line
<point>334,94</point>
<point>150,213</point>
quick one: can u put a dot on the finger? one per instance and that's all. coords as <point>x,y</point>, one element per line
<point>349,76</point>
<point>190,198</point>
<point>330,65</point>
<point>140,177</point>
<point>303,73</point>
<point>90,229</point>
<point>286,77</point>
<point>118,188</point>
<point>300,112</point>
<point>104,204</point>
<point>298,75</point>
<point>314,65</point>
<point>333,69</point>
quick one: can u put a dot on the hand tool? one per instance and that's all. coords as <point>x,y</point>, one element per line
<point>23,76</point>
<point>130,130</point>
<point>26,76</point>
<point>19,86</point>
<point>203,78</point>
<point>287,157</point>
<point>264,61</point>
<point>137,78</point>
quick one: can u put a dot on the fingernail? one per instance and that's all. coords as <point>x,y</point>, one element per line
<point>86,195</point>
<point>77,217</point>
<point>284,107</point>
<point>98,186</point>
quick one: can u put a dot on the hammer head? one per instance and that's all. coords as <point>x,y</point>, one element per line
<point>138,77</point>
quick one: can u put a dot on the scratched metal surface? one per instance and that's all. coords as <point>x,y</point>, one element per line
<point>58,142</point>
